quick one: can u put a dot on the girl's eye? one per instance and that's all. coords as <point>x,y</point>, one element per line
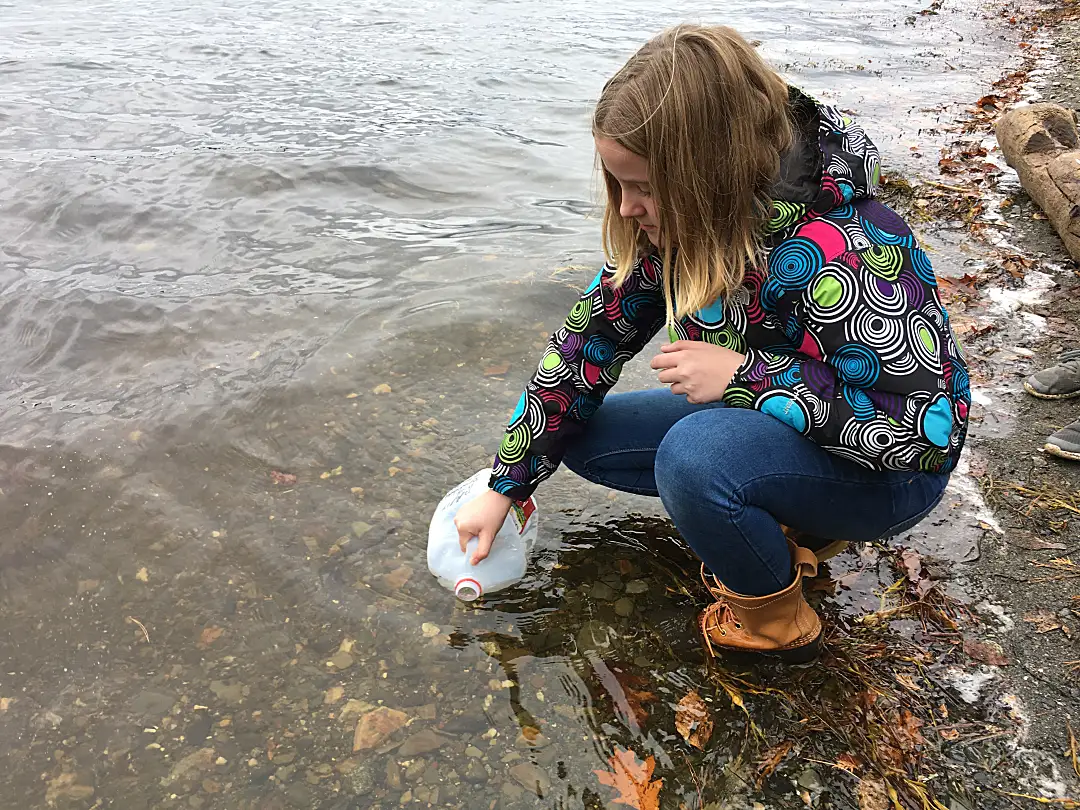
<point>644,192</point>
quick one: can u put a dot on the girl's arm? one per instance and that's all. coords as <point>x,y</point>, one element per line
<point>583,360</point>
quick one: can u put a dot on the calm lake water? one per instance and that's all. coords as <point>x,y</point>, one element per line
<point>223,225</point>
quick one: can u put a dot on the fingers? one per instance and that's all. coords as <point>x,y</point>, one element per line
<point>679,345</point>
<point>679,388</point>
<point>669,375</point>
<point>664,361</point>
<point>487,537</point>
<point>464,537</point>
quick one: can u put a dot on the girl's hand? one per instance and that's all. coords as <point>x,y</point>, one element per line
<point>481,517</point>
<point>697,369</point>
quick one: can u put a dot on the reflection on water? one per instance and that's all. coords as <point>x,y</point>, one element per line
<point>222,227</point>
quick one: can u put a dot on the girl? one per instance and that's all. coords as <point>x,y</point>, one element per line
<point>813,379</point>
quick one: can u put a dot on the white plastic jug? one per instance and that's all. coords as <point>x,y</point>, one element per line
<point>509,555</point>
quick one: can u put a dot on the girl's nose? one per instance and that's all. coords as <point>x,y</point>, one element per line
<point>630,207</point>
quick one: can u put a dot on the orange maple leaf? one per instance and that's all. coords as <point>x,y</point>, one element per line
<point>633,780</point>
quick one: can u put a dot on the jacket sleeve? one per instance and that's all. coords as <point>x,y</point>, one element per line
<point>583,360</point>
<point>879,388</point>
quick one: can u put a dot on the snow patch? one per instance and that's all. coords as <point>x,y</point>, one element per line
<point>998,612</point>
<point>969,685</point>
<point>966,489</point>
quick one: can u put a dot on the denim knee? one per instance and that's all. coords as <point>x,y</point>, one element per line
<point>680,474</point>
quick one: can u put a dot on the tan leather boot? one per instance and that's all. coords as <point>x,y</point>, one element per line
<point>823,549</point>
<point>781,625</point>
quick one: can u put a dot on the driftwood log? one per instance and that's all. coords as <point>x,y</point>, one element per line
<point>1041,143</point>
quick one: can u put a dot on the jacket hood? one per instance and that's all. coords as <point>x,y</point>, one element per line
<point>831,164</point>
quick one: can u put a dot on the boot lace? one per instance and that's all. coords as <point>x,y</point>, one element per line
<point>717,614</point>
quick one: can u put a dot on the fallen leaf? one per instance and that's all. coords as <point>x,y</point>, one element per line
<point>906,681</point>
<point>353,395</point>
<point>334,473</point>
<point>693,720</point>
<point>143,575</point>
<point>949,734</point>
<point>873,794</point>
<point>282,478</point>
<point>5,704</point>
<point>985,652</point>
<point>398,577</point>
<point>374,727</point>
<point>848,762</point>
<point>632,779</point>
<point>382,388</point>
<point>429,630</point>
<point>209,635</point>
<point>497,370</point>
<point>772,759</point>
<point>912,563</point>
<point>1044,621</point>
<point>906,731</point>
<point>333,695</point>
<point>636,696</point>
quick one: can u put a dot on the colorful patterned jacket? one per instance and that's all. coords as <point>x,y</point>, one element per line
<point>845,337</point>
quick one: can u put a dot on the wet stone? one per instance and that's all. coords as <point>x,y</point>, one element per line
<point>393,775</point>
<point>421,743</point>
<point>152,703</point>
<point>594,635</point>
<point>300,795</point>
<point>637,586</point>
<point>229,693</point>
<point>200,727</point>
<point>602,592</point>
<point>531,777</point>
<point>475,772</point>
<point>412,773</point>
<point>342,660</point>
<point>361,781</point>
<point>511,792</point>
<point>624,607</point>
<point>810,780</point>
<point>474,752</point>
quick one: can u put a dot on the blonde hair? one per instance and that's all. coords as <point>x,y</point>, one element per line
<point>711,117</point>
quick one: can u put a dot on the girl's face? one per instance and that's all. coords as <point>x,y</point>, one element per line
<point>631,171</point>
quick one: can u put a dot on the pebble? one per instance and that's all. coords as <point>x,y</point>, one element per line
<point>361,781</point>
<point>511,792</point>
<point>341,660</point>
<point>637,586</point>
<point>152,704</point>
<point>422,743</point>
<point>602,592</point>
<point>230,693</point>
<point>475,772</point>
<point>531,778</point>
<point>300,795</point>
<point>594,635</point>
<point>393,775</point>
<point>412,773</point>
<point>532,741</point>
<point>624,607</point>
<point>406,797</point>
<point>474,752</point>
<point>810,780</point>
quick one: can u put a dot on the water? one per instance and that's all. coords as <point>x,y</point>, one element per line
<point>222,227</point>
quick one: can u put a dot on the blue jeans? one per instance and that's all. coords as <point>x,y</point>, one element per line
<point>730,476</point>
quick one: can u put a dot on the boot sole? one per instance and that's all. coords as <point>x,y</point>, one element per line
<point>802,654</point>
<point>1054,450</point>
<point>1040,395</point>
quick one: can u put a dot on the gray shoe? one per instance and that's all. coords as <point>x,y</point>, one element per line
<point>1057,382</point>
<point>1065,443</point>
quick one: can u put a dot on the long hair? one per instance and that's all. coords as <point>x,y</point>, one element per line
<point>711,117</point>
